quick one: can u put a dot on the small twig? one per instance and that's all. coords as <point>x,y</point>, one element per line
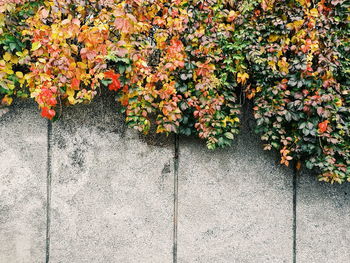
<point>61,109</point>
<point>319,139</point>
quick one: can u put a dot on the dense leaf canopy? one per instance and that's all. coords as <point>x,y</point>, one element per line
<point>187,66</point>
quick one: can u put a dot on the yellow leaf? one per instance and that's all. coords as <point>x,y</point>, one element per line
<point>71,100</point>
<point>272,64</point>
<point>19,74</point>
<point>36,46</point>
<point>273,38</point>
<point>242,77</point>
<point>283,65</point>
<point>9,71</point>
<point>304,2</point>
<point>161,39</point>
<point>70,92</point>
<point>314,12</point>
<point>296,25</point>
<point>7,100</point>
<point>7,56</point>
<point>82,65</point>
<point>279,53</point>
<point>339,103</point>
<point>14,60</point>
<point>28,76</point>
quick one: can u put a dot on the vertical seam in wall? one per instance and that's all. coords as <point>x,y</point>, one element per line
<point>295,177</point>
<point>176,195</point>
<point>48,191</point>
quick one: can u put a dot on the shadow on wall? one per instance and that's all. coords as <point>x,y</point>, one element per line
<point>113,195</point>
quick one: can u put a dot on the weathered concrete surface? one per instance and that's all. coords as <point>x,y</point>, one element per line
<point>23,151</point>
<point>235,205</point>
<point>112,197</point>
<point>323,221</point>
<point>112,194</point>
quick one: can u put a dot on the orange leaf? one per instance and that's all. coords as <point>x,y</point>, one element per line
<point>322,126</point>
<point>75,84</point>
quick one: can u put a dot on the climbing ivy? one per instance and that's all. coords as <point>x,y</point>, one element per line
<point>299,57</point>
<point>185,66</point>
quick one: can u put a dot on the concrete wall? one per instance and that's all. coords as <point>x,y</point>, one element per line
<point>88,189</point>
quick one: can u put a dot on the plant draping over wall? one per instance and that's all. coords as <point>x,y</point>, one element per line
<point>183,66</point>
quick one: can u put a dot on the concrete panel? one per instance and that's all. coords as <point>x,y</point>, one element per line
<point>235,205</point>
<point>323,221</point>
<point>112,193</point>
<point>23,161</point>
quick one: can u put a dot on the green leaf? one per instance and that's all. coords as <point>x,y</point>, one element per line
<point>229,135</point>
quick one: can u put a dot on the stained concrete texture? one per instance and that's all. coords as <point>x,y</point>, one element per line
<point>235,205</point>
<point>23,152</point>
<point>323,221</point>
<point>112,196</point>
<point>112,193</point>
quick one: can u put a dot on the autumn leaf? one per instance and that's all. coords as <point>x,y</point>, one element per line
<point>7,101</point>
<point>75,84</point>
<point>48,113</point>
<point>115,85</point>
<point>322,126</point>
<point>242,77</point>
<point>232,16</point>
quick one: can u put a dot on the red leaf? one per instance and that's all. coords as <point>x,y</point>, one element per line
<point>115,85</point>
<point>48,113</point>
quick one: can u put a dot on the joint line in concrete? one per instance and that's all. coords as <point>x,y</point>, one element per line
<point>176,195</point>
<point>295,180</point>
<point>48,191</point>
